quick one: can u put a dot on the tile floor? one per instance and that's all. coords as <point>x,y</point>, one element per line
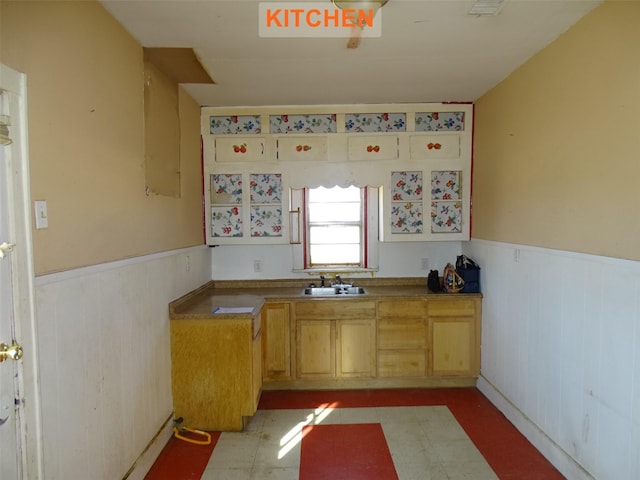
<point>400,434</point>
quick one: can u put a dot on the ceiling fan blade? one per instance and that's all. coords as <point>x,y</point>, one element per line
<point>354,41</point>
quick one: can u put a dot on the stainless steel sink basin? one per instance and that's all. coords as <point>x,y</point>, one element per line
<point>336,290</point>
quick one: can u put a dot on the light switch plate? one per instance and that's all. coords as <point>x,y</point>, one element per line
<point>42,220</point>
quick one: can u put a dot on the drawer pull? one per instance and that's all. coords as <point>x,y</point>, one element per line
<point>240,148</point>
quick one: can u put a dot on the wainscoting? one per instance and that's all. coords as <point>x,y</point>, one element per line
<point>561,354</point>
<point>105,365</point>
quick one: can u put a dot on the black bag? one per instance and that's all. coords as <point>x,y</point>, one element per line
<point>470,273</point>
<point>433,282</point>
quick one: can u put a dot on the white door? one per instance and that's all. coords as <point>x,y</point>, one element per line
<point>20,452</point>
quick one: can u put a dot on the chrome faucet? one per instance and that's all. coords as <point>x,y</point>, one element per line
<point>322,280</point>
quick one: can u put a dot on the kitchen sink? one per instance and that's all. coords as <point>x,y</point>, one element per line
<point>335,290</point>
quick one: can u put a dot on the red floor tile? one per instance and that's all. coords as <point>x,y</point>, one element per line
<point>345,452</point>
<point>182,460</point>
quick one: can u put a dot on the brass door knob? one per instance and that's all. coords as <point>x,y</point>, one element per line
<point>13,351</point>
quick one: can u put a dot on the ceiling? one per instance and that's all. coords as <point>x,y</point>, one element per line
<point>429,50</point>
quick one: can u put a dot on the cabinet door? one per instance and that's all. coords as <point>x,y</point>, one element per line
<point>355,348</point>
<point>373,147</point>
<point>424,147</point>
<point>316,349</point>
<point>277,341</point>
<point>453,346</point>
<point>301,148</point>
<point>240,149</point>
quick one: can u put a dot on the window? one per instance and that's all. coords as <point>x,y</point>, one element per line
<point>335,226</point>
<point>339,228</point>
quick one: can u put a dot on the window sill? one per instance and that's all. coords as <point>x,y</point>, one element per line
<point>337,271</point>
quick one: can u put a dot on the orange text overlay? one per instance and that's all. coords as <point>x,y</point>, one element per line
<point>315,19</point>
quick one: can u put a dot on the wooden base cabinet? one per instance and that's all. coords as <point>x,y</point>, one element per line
<point>276,341</point>
<point>335,339</point>
<point>216,372</point>
<point>402,338</point>
<point>454,331</point>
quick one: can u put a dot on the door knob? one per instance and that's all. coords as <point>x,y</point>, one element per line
<point>13,351</point>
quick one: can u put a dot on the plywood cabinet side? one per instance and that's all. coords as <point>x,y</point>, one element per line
<point>276,340</point>
<point>213,381</point>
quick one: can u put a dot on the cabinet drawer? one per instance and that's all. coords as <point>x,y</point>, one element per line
<point>240,149</point>
<point>302,148</point>
<point>401,334</point>
<point>401,363</point>
<point>332,310</point>
<point>434,146</point>
<point>451,308</point>
<point>401,309</point>
<point>378,147</point>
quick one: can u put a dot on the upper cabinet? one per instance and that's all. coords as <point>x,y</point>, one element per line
<point>419,154</point>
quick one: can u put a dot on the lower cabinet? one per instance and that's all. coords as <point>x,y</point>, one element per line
<point>216,372</point>
<point>335,339</point>
<point>454,329</point>
<point>391,342</point>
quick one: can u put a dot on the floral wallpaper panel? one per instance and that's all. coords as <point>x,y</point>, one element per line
<point>406,186</point>
<point>446,217</point>
<point>266,188</point>
<point>226,188</point>
<point>445,185</point>
<point>406,217</point>
<point>375,122</point>
<point>307,123</point>
<point>234,124</point>
<point>438,121</point>
<point>266,221</point>
<point>226,221</point>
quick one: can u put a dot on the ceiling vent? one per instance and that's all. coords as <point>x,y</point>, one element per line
<point>486,7</point>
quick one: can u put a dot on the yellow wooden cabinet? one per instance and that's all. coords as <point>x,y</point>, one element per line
<point>276,341</point>
<point>335,339</point>
<point>402,338</point>
<point>454,331</point>
<point>216,371</point>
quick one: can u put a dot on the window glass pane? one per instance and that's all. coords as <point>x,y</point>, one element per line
<point>334,194</point>
<point>335,234</point>
<point>334,212</point>
<point>334,226</point>
<point>335,254</point>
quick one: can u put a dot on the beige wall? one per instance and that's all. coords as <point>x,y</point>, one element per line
<point>557,143</point>
<point>86,142</point>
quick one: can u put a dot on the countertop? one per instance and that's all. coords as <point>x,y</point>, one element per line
<point>202,302</point>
